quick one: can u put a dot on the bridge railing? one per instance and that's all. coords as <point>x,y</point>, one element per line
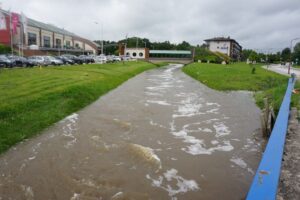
<point>265,182</point>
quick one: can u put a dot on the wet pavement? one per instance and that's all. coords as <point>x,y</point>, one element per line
<point>161,135</point>
<point>283,69</point>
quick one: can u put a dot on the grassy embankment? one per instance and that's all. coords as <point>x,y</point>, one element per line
<point>238,76</point>
<point>33,99</point>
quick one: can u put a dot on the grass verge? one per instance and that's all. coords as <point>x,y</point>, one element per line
<point>239,76</point>
<point>33,99</point>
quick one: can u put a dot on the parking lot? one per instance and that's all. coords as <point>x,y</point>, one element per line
<point>11,61</point>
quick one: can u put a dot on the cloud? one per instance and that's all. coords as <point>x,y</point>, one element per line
<point>254,24</point>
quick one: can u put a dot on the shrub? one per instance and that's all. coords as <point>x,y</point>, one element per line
<point>4,49</point>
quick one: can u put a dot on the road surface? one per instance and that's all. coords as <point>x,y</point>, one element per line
<point>282,69</point>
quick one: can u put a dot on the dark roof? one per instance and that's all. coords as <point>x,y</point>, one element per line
<point>222,39</point>
<point>48,27</point>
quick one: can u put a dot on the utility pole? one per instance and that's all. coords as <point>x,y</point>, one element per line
<point>101,35</point>
<point>102,51</point>
<point>11,33</point>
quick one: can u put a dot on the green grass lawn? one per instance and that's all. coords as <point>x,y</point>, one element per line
<point>238,76</point>
<point>33,99</point>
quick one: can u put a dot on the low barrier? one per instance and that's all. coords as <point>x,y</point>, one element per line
<point>265,183</point>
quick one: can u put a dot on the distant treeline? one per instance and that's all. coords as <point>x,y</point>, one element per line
<point>201,51</point>
<point>282,56</point>
<point>111,47</point>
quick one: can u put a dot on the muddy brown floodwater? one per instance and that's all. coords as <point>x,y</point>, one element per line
<point>161,135</point>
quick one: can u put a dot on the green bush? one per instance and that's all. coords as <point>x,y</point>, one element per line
<point>4,49</point>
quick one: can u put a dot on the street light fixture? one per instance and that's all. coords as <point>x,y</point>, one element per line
<point>101,24</point>
<point>291,53</point>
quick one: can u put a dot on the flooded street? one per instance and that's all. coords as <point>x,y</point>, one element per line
<point>161,135</point>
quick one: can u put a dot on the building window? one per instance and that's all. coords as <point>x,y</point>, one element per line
<point>134,54</point>
<point>77,45</point>
<point>58,43</point>
<point>68,44</point>
<point>31,39</point>
<point>141,54</point>
<point>127,54</point>
<point>46,41</point>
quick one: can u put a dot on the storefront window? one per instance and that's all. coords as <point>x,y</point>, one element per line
<point>31,39</point>
<point>68,44</point>
<point>58,43</point>
<point>46,41</point>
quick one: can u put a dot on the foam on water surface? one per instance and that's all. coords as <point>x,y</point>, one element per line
<point>173,183</point>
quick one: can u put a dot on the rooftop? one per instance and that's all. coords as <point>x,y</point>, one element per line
<point>169,52</point>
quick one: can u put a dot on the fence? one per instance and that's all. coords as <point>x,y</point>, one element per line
<point>265,183</point>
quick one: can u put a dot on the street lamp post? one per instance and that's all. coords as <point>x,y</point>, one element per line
<point>290,64</point>
<point>101,35</point>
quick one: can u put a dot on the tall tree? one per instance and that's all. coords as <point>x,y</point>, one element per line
<point>285,54</point>
<point>253,56</point>
<point>246,53</point>
<point>183,46</point>
<point>296,53</point>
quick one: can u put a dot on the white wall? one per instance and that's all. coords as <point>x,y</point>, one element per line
<point>89,48</point>
<point>139,53</point>
<point>220,46</point>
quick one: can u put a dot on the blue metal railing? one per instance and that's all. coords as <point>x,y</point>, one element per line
<point>265,183</point>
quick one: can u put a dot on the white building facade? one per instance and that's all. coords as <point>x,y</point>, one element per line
<point>137,53</point>
<point>226,46</point>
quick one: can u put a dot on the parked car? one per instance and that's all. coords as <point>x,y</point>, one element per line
<point>110,59</point>
<point>116,58</point>
<point>18,60</point>
<point>76,59</point>
<point>65,60</point>
<point>100,59</point>
<point>92,58</point>
<point>53,61</point>
<point>87,59</point>
<point>5,62</point>
<point>126,58</point>
<point>38,61</point>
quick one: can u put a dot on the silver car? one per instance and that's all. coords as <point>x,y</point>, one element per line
<point>53,61</point>
<point>38,61</point>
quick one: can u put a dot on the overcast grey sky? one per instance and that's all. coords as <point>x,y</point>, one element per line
<point>257,24</point>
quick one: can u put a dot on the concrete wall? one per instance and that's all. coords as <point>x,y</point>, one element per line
<point>89,48</point>
<point>171,60</point>
<point>80,44</point>
<point>138,53</point>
